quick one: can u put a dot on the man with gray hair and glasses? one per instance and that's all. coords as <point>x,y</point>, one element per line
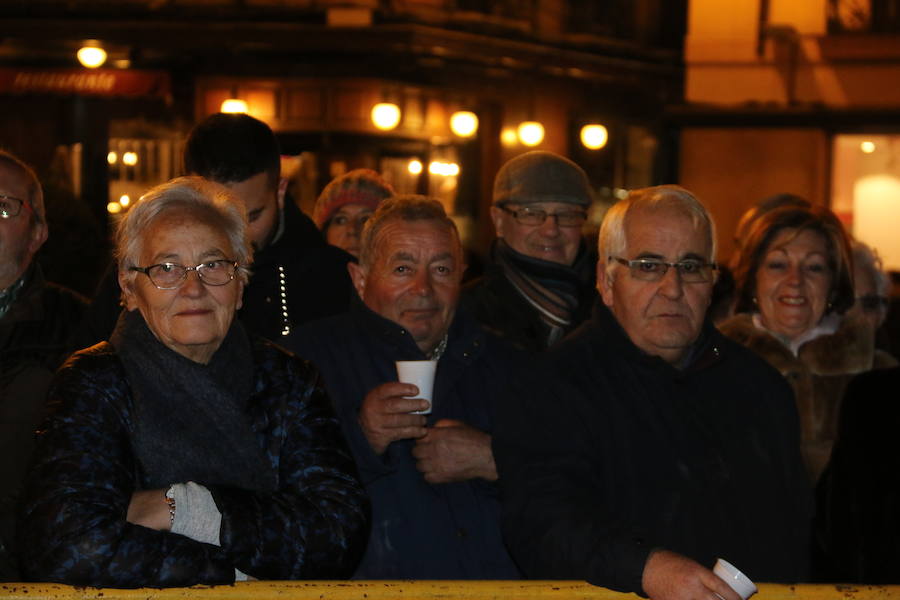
<point>649,445</point>
<point>37,321</point>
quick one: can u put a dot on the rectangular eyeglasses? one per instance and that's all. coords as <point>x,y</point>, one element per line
<point>653,269</point>
<point>536,216</point>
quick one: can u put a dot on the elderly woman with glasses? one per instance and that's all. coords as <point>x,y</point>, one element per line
<point>794,280</point>
<point>183,451</point>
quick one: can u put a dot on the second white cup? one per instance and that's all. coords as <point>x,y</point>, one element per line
<point>420,373</point>
<point>739,582</point>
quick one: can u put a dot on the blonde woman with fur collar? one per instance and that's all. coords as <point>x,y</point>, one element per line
<point>794,278</point>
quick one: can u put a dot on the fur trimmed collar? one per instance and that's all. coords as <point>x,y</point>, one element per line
<point>849,350</point>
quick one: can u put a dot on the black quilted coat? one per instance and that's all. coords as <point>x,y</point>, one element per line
<point>72,524</point>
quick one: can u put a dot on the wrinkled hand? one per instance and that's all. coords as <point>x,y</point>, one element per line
<point>149,509</point>
<point>384,416</point>
<point>454,451</point>
<point>671,576</point>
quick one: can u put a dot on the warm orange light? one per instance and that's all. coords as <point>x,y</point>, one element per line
<point>594,136</point>
<point>130,158</point>
<point>464,123</point>
<point>414,167</point>
<point>867,147</point>
<point>386,116</point>
<point>444,169</point>
<point>124,199</point>
<point>112,158</point>
<point>91,55</point>
<point>531,133</point>
<point>113,208</point>
<point>508,137</point>
<point>234,106</point>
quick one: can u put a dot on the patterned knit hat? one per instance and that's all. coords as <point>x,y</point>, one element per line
<point>540,176</point>
<point>360,186</point>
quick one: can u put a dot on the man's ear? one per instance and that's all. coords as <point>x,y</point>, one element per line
<point>498,216</point>
<point>127,283</point>
<point>358,276</point>
<point>282,190</point>
<point>604,283</point>
<point>38,237</point>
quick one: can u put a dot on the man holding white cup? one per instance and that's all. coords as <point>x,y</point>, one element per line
<point>430,476</point>
<point>648,445</point>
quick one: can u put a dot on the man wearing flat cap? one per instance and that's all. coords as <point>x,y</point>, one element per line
<point>539,284</point>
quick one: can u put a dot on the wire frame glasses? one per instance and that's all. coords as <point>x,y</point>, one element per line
<point>653,269</point>
<point>169,276</point>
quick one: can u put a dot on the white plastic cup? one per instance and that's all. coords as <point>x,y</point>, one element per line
<point>739,582</point>
<point>420,373</point>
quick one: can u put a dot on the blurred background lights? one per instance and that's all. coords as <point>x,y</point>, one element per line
<point>508,137</point>
<point>124,200</point>
<point>113,208</point>
<point>867,147</point>
<point>130,158</point>
<point>414,167</point>
<point>385,115</point>
<point>91,55</point>
<point>464,123</point>
<point>594,136</point>
<point>531,133</point>
<point>234,106</point>
<point>112,158</point>
<point>443,168</point>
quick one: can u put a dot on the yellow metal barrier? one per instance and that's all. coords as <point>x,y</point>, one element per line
<point>413,590</point>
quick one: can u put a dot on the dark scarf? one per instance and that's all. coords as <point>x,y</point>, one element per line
<point>553,289</point>
<point>191,421</point>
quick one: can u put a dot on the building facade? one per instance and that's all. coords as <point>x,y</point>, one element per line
<point>314,69</point>
<point>799,97</point>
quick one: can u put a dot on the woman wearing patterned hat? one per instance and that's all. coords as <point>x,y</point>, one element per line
<point>346,203</point>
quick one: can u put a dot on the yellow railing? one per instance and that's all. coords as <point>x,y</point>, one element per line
<point>413,590</point>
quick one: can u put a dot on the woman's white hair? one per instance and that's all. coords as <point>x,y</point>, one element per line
<point>612,240</point>
<point>207,201</point>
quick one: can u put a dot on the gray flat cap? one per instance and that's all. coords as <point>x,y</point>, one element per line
<point>540,176</point>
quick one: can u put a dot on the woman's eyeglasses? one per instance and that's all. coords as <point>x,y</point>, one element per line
<point>168,276</point>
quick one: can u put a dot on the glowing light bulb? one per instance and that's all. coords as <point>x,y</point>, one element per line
<point>91,56</point>
<point>386,116</point>
<point>234,106</point>
<point>414,167</point>
<point>112,158</point>
<point>867,147</point>
<point>508,137</point>
<point>113,208</point>
<point>124,200</point>
<point>464,123</point>
<point>594,136</point>
<point>531,133</point>
<point>130,158</point>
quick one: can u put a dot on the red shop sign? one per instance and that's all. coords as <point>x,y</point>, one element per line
<point>94,82</point>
